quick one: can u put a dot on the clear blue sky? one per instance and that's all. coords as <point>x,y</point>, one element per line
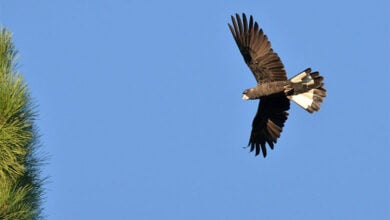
<point>140,109</point>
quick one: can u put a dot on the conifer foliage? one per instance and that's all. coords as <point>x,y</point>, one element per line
<point>20,182</point>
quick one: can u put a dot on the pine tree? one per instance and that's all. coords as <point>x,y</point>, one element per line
<point>20,182</point>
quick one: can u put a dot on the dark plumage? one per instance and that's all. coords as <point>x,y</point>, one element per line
<point>273,88</point>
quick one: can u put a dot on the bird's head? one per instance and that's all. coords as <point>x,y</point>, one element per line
<point>248,94</point>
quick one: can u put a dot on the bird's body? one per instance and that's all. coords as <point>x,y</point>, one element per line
<point>273,88</point>
<point>286,87</point>
<point>266,89</point>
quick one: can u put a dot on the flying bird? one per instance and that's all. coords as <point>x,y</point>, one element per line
<point>273,88</point>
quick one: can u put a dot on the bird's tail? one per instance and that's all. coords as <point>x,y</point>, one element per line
<point>314,93</point>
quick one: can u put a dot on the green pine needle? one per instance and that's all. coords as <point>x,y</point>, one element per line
<point>20,182</point>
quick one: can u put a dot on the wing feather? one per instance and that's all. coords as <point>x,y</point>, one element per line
<point>268,123</point>
<point>256,49</point>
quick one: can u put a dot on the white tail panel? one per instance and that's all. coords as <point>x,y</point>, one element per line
<point>303,77</point>
<point>305,100</point>
<point>310,100</point>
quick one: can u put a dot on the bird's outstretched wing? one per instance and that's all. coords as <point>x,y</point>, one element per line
<point>264,63</point>
<point>268,123</point>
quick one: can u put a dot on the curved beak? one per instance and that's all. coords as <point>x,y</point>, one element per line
<point>245,97</point>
